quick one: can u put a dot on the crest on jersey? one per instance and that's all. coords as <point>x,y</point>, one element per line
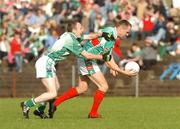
<point>106,50</point>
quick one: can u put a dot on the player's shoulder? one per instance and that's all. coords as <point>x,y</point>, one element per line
<point>108,29</point>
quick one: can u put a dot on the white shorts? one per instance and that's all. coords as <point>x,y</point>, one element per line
<point>45,67</point>
<point>87,67</point>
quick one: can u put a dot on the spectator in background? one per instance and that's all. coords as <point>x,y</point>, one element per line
<point>2,10</point>
<point>16,50</point>
<point>160,6</point>
<point>149,55</point>
<point>4,50</point>
<point>24,6</point>
<point>40,17</point>
<point>126,15</point>
<point>146,25</point>
<point>95,10</point>
<point>103,7</point>
<point>99,22</point>
<point>141,7</point>
<point>159,31</point>
<point>178,48</point>
<point>60,10</point>
<point>170,31</point>
<point>174,49</point>
<point>34,46</point>
<point>110,19</point>
<point>135,21</point>
<point>76,11</point>
<point>4,28</point>
<point>134,54</point>
<point>86,16</point>
<point>8,26</point>
<point>51,38</point>
<point>30,19</point>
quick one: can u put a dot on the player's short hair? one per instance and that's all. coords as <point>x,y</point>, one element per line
<point>123,23</point>
<point>71,25</point>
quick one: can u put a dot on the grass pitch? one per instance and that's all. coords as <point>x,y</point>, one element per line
<point>117,112</point>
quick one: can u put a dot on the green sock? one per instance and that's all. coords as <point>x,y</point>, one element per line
<point>30,102</point>
<point>41,107</point>
<point>51,102</point>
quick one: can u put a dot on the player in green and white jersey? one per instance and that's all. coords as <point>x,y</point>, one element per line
<point>89,70</point>
<point>45,70</point>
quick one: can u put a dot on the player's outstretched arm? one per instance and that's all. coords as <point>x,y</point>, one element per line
<point>92,35</point>
<point>88,55</point>
<point>103,57</point>
<point>112,65</point>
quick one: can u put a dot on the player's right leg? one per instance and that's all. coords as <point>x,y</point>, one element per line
<point>99,79</point>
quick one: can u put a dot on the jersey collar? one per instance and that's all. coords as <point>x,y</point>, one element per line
<point>74,34</point>
<point>115,32</point>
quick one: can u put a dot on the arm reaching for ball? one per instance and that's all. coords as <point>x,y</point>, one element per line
<point>112,65</point>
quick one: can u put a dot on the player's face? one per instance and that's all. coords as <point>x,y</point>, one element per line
<point>79,29</point>
<point>123,32</point>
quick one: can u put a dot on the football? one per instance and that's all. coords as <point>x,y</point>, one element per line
<point>132,66</point>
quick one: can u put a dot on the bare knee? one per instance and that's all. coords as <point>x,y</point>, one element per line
<point>104,87</point>
<point>53,94</point>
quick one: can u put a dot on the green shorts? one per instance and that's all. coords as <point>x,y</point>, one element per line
<point>45,67</point>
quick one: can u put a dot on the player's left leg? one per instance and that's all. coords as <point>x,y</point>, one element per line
<point>51,93</point>
<point>99,79</point>
<point>40,110</point>
<point>74,91</point>
<point>70,93</point>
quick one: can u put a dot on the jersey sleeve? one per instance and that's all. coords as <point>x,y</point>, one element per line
<point>73,45</point>
<point>106,30</point>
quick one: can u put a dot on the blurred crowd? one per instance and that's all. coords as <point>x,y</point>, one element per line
<point>28,27</point>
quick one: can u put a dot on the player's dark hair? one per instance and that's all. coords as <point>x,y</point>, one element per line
<point>123,23</point>
<point>71,25</point>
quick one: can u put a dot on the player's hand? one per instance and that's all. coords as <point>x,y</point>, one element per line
<point>130,73</point>
<point>106,57</point>
<point>113,72</point>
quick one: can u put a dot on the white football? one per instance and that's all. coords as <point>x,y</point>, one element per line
<point>132,66</point>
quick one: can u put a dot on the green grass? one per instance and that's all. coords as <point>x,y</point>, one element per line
<point>118,113</point>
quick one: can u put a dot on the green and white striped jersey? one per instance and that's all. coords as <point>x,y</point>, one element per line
<point>66,44</point>
<point>100,45</point>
